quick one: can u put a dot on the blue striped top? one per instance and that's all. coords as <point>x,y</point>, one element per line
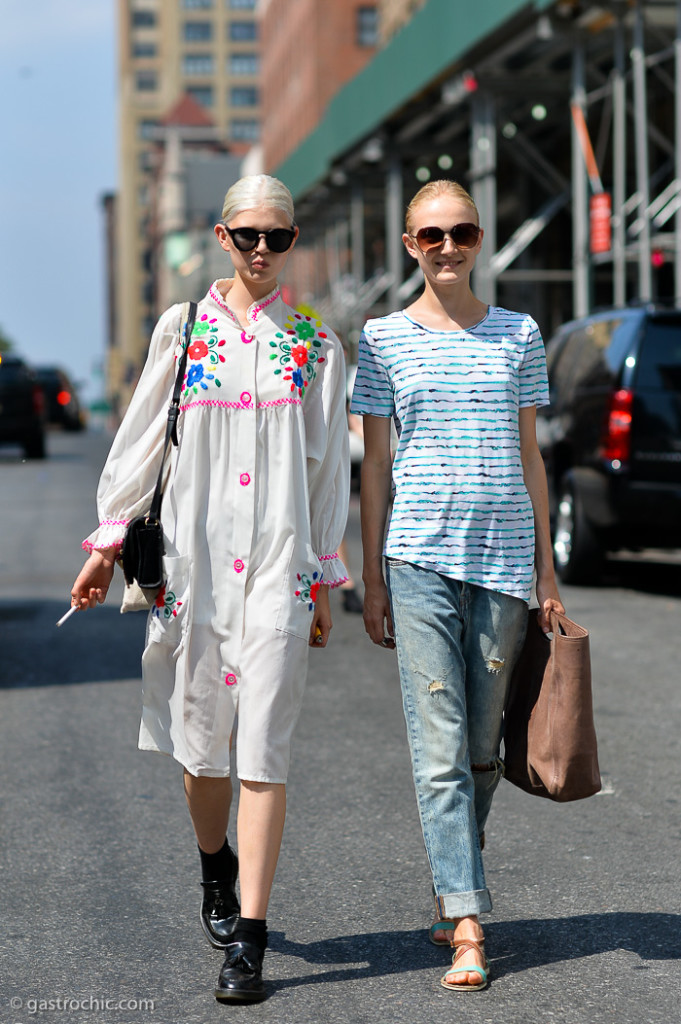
<point>461,506</point>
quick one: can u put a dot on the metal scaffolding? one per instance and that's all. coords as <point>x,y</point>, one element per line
<point>562,104</point>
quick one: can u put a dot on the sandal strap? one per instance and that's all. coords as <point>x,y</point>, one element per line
<point>462,947</point>
<point>478,946</point>
<point>443,925</point>
<point>465,970</point>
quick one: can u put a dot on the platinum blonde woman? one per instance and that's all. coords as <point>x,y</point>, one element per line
<point>253,513</point>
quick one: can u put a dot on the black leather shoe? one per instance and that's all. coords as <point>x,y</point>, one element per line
<point>220,908</point>
<point>240,979</point>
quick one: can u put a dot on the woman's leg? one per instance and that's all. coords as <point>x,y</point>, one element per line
<point>491,644</point>
<point>209,801</point>
<point>430,614</point>
<point>260,826</point>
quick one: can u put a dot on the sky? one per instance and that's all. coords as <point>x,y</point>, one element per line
<point>58,158</point>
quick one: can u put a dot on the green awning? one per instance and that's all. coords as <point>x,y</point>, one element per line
<point>438,35</point>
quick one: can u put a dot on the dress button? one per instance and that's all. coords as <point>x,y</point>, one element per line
<point>247,338</point>
<point>245,398</point>
<point>230,679</point>
<point>244,479</point>
<point>238,565</point>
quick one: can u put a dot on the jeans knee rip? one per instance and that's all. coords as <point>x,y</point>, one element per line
<point>495,665</point>
<point>437,686</point>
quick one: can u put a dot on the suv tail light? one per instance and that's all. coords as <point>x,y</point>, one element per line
<point>616,443</point>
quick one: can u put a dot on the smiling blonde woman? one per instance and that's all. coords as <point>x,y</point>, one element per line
<point>469,525</point>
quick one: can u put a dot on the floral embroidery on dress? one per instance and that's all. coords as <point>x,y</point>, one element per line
<point>204,345</point>
<point>298,351</point>
<point>309,588</point>
<point>166,604</point>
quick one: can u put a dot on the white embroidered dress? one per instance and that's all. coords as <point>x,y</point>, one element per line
<point>254,509</point>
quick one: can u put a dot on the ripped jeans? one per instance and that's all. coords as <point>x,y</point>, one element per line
<point>456,644</point>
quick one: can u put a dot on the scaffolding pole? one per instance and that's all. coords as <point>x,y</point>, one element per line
<point>645,277</point>
<point>393,228</point>
<point>580,223</point>
<point>357,233</point>
<point>677,127</point>
<point>484,189</point>
<point>619,167</point>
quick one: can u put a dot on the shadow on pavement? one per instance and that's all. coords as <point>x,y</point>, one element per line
<point>513,946</point>
<point>96,646</point>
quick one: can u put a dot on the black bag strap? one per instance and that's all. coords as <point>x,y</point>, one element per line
<point>173,411</point>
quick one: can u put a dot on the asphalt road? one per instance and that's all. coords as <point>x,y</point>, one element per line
<point>100,894</point>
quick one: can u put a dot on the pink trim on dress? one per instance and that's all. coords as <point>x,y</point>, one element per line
<point>336,583</point>
<point>327,558</point>
<point>279,401</point>
<point>88,546</point>
<point>219,404</point>
<point>254,312</point>
<point>216,297</point>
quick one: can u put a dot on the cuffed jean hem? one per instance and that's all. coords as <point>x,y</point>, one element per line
<point>464,904</point>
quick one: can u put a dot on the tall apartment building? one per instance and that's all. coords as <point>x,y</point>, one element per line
<point>209,49</point>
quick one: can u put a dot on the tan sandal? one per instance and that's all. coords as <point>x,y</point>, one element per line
<point>459,949</point>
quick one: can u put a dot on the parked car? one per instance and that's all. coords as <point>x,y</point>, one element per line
<point>22,407</point>
<point>611,438</point>
<point>61,398</point>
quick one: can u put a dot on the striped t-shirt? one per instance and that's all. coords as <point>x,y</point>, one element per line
<point>461,506</point>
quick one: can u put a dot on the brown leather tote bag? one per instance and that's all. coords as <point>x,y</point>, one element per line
<point>550,746</point>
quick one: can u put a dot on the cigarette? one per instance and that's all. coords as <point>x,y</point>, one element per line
<point>68,615</point>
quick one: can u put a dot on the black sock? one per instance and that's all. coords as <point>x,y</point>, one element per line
<point>251,929</point>
<point>217,866</point>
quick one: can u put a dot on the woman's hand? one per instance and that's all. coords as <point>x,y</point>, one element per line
<point>377,618</point>
<point>549,600</point>
<point>94,579</point>
<point>321,619</point>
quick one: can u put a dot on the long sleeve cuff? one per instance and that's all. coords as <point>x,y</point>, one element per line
<point>333,569</point>
<point>109,534</point>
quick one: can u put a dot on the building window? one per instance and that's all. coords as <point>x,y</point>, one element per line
<point>244,130</point>
<point>143,19</point>
<point>243,96</point>
<point>243,31</point>
<point>197,64</point>
<point>203,94</point>
<point>198,31</point>
<point>243,64</point>
<point>146,81</point>
<point>144,49</point>
<point>241,5</point>
<point>367,26</point>
<point>197,5</point>
<point>145,128</point>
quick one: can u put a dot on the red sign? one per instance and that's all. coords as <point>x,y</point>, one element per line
<point>600,212</point>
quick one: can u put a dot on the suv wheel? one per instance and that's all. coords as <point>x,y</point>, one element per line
<point>577,552</point>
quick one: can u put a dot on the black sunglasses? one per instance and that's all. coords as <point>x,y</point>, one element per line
<point>464,236</point>
<point>246,239</point>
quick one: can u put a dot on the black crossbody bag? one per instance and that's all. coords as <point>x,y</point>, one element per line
<point>142,551</point>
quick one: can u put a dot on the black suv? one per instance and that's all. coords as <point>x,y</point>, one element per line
<point>22,407</point>
<point>611,438</point>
